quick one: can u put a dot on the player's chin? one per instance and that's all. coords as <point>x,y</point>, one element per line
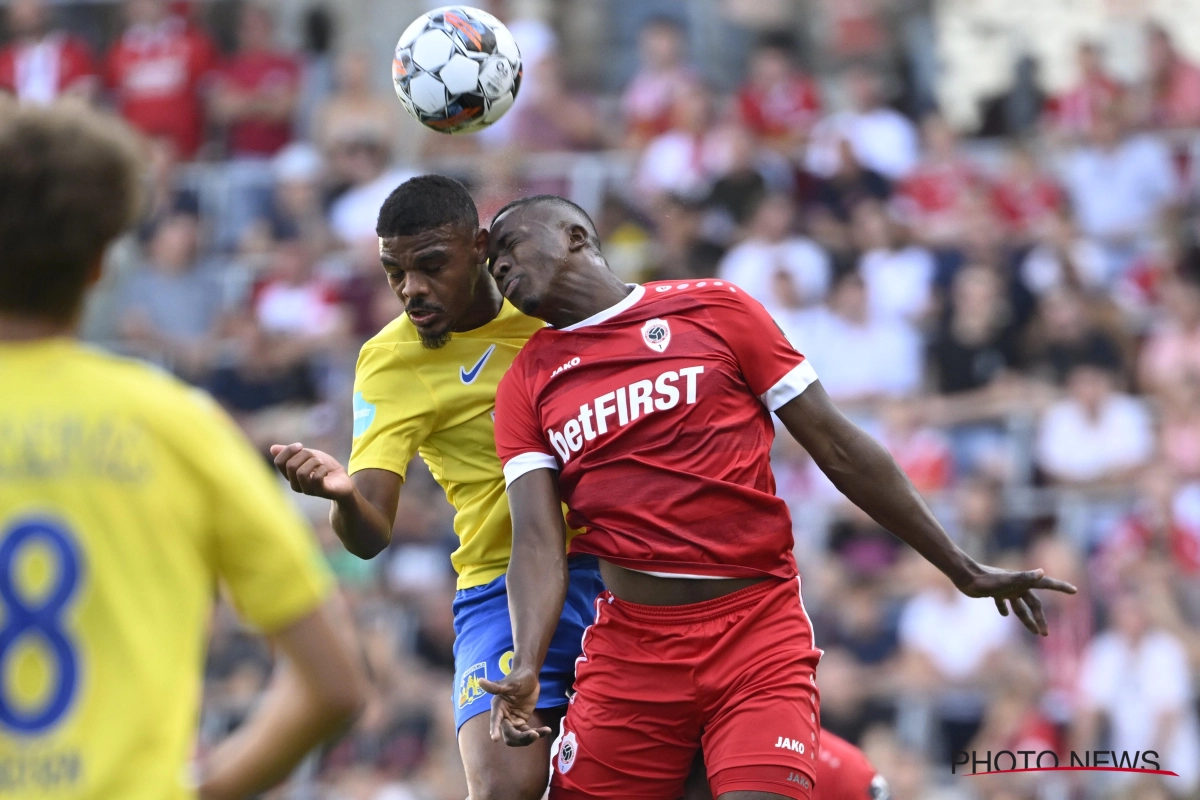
<point>434,337</point>
<point>529,304</point>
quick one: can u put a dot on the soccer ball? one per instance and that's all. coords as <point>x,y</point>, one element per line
<point>457,69</point>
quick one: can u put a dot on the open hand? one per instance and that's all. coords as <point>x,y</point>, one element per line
<point>1015,589</point>
<point>312,472</point>
<point>515,696</point>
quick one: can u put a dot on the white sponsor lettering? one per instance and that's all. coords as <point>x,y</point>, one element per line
<point>790,744</point>
<point>574,362</point>
<point>638,399</point>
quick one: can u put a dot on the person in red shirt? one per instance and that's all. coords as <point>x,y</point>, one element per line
<point>254,94</point>
<point>40,65</point>
<point>845,773</point>
<point>779,103</point>
<point>1075,111</point>
<point>1026,198</point>
<point>935,194</point>
<point>156,71</point>
<point>647,410</point>
<point>1174,82</point>
<point>649,100</point>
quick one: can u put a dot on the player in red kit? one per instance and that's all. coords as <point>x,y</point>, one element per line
<point>647,409</point>
<point>845,773</point>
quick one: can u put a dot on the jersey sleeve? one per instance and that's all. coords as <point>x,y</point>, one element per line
<point>772,367</point>
<point>519,440</point>
<point>394,412</point>
<point>263,551</point>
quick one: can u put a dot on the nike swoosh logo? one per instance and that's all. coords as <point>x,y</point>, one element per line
<point>468,376</point>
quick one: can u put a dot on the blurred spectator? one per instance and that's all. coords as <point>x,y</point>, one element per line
<point>1136,677</point>
<point>1164,524</point>
<point>41,64</point>
<point>170,307</point>
<point>1094,435</point>
<point>1174,82</point>
<point>1119,184</point>
<point>898,273</point>
<point>883,139</point>
<point>295,303</point>
<point>976,342</point>
<point>851,184</point>
<point>680,248</point>
<point>921,450</point>
<point>663,77</point>
<point>1179,429</point>
<point>362,162</point>
<point>1026,198</point>
<point>355,110</point>
<point>549,117</point>
<point>1067,338</point>
<point>689,156</point>
<point>1172,352</point>
<point>294,210</point>
<point>1074,112</point>
<point>1063,258</point>
<point>254,94</point>
<point>933,194</point>
<point>979,523</point>
<point>783,271</point>
<point>778,103</point>
<point>859,356</point>
<point>157,71</point>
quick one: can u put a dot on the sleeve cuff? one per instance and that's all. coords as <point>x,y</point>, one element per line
<point>790,386</point>
<point>519,464</point>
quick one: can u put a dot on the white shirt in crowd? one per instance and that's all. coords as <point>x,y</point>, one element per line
<point>882,139</point>
<point>1043,269</point>
<point>680,163</point>
<point>1135,684</point>
<point>754,264</point>
<point>352,216</point>
<point>881,357</point>
<point>899,282</point>
<point>1073,446</point>
<point>978,631</point>
<point>1120,191</point>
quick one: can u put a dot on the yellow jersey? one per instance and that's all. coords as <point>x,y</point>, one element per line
<point>441,404</point>
<point>126,498</point>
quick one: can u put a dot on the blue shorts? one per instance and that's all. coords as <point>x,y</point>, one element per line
<point>483,640</point>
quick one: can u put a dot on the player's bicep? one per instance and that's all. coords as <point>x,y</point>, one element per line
<point>536,509</point>
<point>817,424</point>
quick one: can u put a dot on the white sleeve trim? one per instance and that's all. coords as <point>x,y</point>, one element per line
<point>521,463</point>
<point>790,386</point>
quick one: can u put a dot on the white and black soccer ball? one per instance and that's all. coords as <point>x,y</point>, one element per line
<point>457,69</point>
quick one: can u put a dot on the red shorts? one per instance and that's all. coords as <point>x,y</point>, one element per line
<point>733,676</point>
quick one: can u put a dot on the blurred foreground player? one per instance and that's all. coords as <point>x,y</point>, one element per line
<point>125,498</point>
<point>648,408</point>
<point>426,384</point>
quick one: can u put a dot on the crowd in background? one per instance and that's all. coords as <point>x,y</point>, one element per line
<point>1016,318</point>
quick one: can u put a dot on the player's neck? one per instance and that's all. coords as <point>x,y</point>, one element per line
<point>484,308</point>
<point>582,294</point>
<point>16,328</point>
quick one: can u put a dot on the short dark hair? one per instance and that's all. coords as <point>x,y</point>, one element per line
<point>426,202</point>
<point>553,201</point>
<point>70,183</point>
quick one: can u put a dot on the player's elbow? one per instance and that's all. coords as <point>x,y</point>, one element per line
<point>341,703</point>
<point>366,550</point>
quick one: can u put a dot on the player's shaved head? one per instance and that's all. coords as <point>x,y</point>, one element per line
<point>563,211</point>
<point>69,185</point>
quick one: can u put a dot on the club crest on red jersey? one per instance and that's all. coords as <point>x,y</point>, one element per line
<point>656,334</point>
<point>567,751</point>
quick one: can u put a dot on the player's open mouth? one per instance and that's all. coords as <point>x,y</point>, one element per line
<point>422,317</point>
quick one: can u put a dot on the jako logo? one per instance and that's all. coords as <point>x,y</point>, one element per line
<point>790,744</point>
<point>574,362</point>
<point>628,403</point>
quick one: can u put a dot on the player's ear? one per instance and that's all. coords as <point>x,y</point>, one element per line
<point>577,238</point>
<point>481,245</point>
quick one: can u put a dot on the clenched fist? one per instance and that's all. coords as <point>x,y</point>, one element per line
<point>312,472</point>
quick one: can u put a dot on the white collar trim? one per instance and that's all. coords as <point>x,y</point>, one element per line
<point>610,312</point>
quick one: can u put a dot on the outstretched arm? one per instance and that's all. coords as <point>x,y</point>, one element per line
<point>364,505</point>
<point>537,589</point>
<point>867,474</point>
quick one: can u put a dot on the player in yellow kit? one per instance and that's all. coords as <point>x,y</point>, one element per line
<point>126,499</point>
<point>427,384</point>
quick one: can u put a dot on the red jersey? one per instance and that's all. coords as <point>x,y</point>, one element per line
<point>656,412</point>
<point>260,73</point>
<point>844,773</point>
<point>156,73</point>
<point>38,72</point>
<point>780,110</point>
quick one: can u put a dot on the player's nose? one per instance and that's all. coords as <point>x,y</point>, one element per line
<point>415,285</point>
